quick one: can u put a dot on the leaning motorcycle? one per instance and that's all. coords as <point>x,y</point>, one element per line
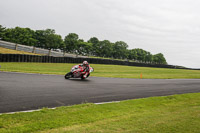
<point>77,72</point>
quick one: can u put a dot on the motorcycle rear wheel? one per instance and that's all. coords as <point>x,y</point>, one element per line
<point>82,78</point>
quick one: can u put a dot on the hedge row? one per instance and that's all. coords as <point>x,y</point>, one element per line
<point>51,59</point>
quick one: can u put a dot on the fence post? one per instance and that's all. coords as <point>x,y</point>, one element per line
<point>46,59</point>
<point>1,58</point>
<point>49,59</point>
<point>49,52</point>
<point>28,58</point>
<point>33,50</point>
<point>16,46</point>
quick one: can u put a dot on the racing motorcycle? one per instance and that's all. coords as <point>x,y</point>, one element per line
<point>78,72</point>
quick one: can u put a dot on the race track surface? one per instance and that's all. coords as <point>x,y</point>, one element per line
<point>19,92</point>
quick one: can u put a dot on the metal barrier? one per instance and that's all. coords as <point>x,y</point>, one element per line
<point>35,50</point>
<point>59,57</point>
<point>52,59</point>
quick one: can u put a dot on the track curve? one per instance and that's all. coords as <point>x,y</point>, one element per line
<point>20,91</point>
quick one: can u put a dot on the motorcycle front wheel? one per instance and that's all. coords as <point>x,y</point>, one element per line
<point>68,75</point>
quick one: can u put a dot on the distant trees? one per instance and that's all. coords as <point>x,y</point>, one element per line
<point>120,50</point>
<point>71,43</point>
<point>2,31</point>
<point>104,49</point>
<point>48,39</point>
<point>39,38</point>
<point>94,42</point>
<point>84,48</point>
<point>159,58</point>
<point>24,36</point>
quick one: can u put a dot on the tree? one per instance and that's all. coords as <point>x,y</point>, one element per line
<point>120,50</point>
<point>149,57</point>
<point>2,31</point>
<point>84,48</point>
<point>94,41</point>
<point>104,49</point>
<point>41,37</point>
<point>71,42</point>
<point>19,35</point>
<point>48,39</point>
<point>159,59</point>
<point>141,54</point>
<point>132,54</point>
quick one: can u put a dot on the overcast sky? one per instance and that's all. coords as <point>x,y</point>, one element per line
<point>171,27</point>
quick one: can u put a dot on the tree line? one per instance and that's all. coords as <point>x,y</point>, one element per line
<point>71,43</point>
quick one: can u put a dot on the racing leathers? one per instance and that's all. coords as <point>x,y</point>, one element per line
<point>85,69</point>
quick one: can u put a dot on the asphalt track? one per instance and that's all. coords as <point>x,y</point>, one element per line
<point>19,92</point>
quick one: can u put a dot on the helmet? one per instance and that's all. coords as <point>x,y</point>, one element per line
<point>85,63</point>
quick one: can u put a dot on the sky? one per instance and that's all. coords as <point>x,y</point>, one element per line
<point>171,27</point>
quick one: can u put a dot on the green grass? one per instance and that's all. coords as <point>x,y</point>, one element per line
<point>115,71</point>
<point>11,51</point>
<point>177,113</point>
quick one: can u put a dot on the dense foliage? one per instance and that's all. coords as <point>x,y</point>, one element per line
<point>48,39</point>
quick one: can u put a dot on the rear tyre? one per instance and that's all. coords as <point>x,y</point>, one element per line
<point>88,75</point>
<point>82,77</point>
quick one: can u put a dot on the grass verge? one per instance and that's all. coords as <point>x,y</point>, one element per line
<point>177,113</point>
<point>115,71</point>
<point>11,51</point>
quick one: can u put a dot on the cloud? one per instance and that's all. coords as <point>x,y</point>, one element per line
<point>171,27</point>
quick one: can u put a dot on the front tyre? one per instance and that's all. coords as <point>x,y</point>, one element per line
<point>68,75</point>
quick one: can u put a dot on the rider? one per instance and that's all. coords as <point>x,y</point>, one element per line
<point>86,68</point>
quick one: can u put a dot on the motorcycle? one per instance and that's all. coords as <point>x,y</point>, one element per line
<point>78,72</point>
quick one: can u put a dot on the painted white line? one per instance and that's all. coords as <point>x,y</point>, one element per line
<point>24,111</point>
<point>52,108</point>
<point>30,73</point>
<point>107,102</point>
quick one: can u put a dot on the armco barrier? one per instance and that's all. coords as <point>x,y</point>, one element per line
<point>51,59</point>
<point>35,50</point>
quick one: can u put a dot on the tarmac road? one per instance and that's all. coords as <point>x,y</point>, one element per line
<point>19,92</point>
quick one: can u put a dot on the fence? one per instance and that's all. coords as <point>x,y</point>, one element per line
<point>59,57</point>
<point>52,59</point>
<point>35,50</point>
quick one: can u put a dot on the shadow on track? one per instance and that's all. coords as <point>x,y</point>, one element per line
<point>79,80</point>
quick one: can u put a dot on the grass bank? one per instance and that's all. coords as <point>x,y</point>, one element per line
<point>115,71</point>
<point>177,113</point>
<point>11,51</point>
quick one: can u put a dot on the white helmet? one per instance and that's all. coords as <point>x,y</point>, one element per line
<point>85,63</point>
